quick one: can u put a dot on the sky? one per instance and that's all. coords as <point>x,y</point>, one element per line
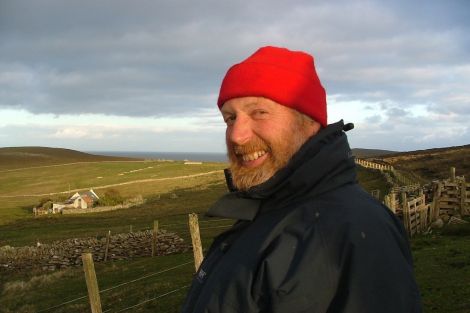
<point>145,75</point>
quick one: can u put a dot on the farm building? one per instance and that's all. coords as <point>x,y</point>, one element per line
<point>83,200</point>
<point>80,200</point>
<point>48,208</point>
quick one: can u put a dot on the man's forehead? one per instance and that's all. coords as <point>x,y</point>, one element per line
<point>246,103</point>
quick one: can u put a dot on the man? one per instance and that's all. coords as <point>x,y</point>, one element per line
<point>308,238</point>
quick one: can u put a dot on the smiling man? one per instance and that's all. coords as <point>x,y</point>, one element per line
<point>262,136</point>
<point>307,237</point>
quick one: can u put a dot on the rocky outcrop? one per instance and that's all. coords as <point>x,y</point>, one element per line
<point>67,253</point>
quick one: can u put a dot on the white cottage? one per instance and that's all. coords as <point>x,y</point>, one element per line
<point>83,200</point>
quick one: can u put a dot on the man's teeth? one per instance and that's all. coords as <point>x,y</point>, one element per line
<point>253,156</point>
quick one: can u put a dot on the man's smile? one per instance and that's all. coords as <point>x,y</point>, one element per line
<point>253,159</point>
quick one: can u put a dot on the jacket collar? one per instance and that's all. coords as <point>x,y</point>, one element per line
<point>323,163</point>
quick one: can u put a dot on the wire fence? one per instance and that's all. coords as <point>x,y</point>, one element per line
<point>62,304</point>
<point>117,286</point>
<point>182,230</point>
<point>149,300</point>
<point>176,226</point>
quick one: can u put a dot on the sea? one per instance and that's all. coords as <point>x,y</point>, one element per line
<point>177,156</point>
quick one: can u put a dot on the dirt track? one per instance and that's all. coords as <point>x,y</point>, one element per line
<point>66,164</point>
<point>114,185</point>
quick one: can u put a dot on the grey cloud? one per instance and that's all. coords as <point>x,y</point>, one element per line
<point>166,57</point>
<point>373,119</point>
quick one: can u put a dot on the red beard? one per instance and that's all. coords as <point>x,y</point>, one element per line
<point>279,151</point>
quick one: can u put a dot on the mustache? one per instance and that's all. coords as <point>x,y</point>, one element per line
<point>250,147</point>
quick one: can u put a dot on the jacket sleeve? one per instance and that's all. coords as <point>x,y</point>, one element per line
<point>348,268</point>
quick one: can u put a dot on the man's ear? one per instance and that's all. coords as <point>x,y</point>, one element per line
<point>313,127</point>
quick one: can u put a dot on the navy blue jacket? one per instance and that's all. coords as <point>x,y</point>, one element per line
<point>310,239</point>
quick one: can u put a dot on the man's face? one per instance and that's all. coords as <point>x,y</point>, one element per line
<point>261,137</point>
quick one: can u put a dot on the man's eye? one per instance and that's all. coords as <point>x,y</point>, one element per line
<point>229,120</point>
<point>259,113</point>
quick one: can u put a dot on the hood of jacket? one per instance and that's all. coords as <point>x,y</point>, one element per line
<point>325,162</point>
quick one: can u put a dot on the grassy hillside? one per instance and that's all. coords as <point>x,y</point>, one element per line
<point>166,207</point>
<point>19,157</point>
<point>39,180</point>
<point>367,153</point>
<point>372,180</point>
<point>433,163</point>
<point>21,189</point>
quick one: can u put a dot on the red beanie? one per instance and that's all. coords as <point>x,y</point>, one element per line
<point>286,77</point>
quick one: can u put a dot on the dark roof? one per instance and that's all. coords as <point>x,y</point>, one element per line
<point>89,194</point>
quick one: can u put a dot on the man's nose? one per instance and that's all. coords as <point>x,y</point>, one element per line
<point>240,131</point>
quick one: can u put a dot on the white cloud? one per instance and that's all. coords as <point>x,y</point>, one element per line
<point>75,132</point>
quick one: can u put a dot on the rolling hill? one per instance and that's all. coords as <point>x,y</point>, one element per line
<point>432,163</point>
<point>367,153</point>
<point>20,157</point>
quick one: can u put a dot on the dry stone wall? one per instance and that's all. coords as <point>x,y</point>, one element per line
<point>67,253</point>
<point>96,209</point>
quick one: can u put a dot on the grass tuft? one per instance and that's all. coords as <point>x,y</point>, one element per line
<point>34,282</point>
<point>456,230</point>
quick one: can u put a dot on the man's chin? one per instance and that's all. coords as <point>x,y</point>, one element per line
<point>245,177</point>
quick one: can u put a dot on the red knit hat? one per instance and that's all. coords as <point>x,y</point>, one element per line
<point>287,77</point>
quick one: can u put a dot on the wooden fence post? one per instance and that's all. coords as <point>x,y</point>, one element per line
<point>463,197</point>
<point>91,283</point>
<point>452,174</point>
<point>393,202</point>
<point>154,237</point>
<point>130,228</point>
<point>423,213</point>
<point>387,201</point>
<point>403,200</point>
<point>108,239</point>
<point>406,213</point>
<point>436,201</point>
<point>196,239</point>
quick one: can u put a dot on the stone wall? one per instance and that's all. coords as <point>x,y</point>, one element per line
<point>67,253</point>
<point>96,209</point>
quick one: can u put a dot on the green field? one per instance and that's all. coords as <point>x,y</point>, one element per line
<point>170,190</point>
<point>43,180</point>
<point>442,260</point>
<point>21,189</point>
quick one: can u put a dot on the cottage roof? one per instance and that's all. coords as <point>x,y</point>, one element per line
<point>83,194</point>
<point>90,194</point>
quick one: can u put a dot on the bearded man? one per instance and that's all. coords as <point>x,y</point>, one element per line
<point>308,238</point>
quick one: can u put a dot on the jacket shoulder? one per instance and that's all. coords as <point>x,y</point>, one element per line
<point>335,251</point>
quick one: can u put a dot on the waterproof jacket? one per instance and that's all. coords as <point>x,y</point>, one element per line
<point>307,240</point>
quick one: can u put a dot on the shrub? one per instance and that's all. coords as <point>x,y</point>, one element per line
<point>43,201</point>
<point>111,197</point>
<point>47,205</point>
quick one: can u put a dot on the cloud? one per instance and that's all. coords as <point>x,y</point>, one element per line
<point>402,130</point>
<point>72,132</point>
<point>195,138</point>
<point>167,58</point>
